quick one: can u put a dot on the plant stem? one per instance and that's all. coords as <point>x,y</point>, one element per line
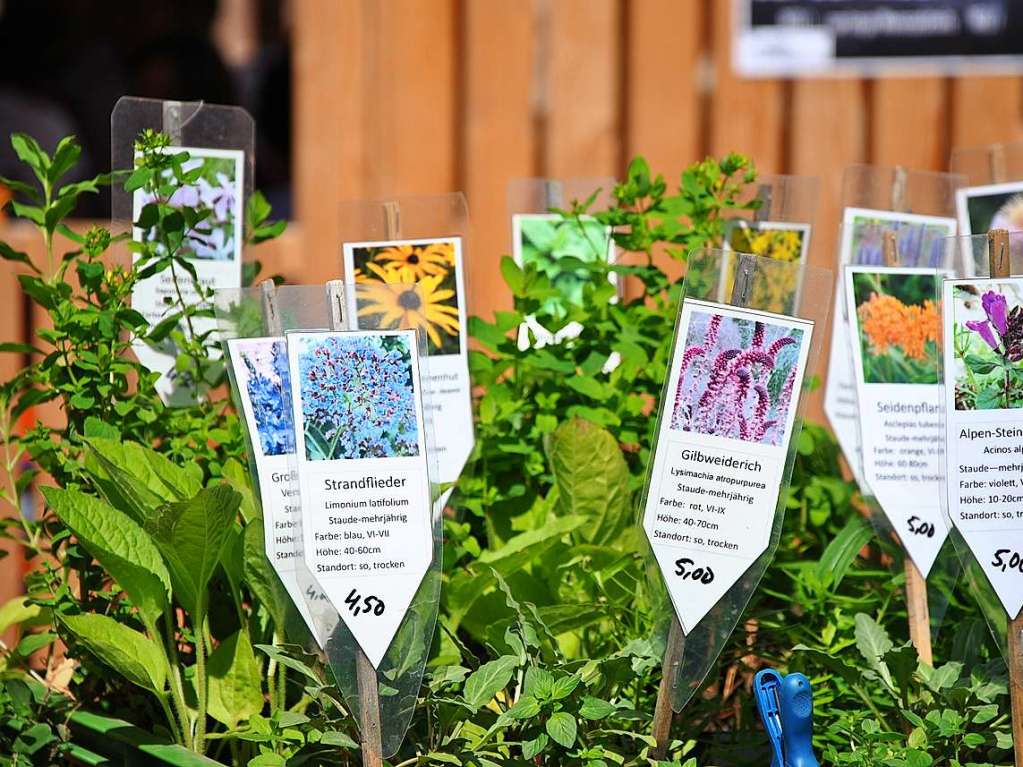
<point>201,682</point>
<point>174,680</point>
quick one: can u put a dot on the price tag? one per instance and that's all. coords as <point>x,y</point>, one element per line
<point>983,349</point>
<point>435,265</point>
<point>920,245</point>
<point>362,471</point>
<point>214,249</point>
<point>895,325</point>
<point>721,448</point>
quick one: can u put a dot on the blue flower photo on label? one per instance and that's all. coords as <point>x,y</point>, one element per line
<point>358,399</point>
<point>266,385</point>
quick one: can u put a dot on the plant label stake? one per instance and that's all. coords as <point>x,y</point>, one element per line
<point>369,694</point>
<point>999,257</point>
<point>437,309</point>
<point>929,531</point>
<point>984,424</point>
<point>718,464</point>
<point>260,368</point>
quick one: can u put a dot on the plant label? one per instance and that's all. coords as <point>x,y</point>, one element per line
<point>895,324</point>
<point>559,247</point>
<point>983,356</point>
<point>260,367</point>
<point>920,245</point>
<point>214,250</point>
<point>362,471</point>
<point>778,240</point>
<point>436,309</point>
<point>722,445</point>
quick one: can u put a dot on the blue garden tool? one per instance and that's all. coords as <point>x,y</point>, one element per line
<point>786,709</point>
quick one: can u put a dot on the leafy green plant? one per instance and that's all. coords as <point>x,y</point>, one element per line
<point>149,554</point>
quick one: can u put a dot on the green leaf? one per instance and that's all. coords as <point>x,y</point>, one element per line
<point>489,679</point>
<point>130,653</point>
<point>16,611</point>
<point>525,707</point>
<point>190,535</point>
<point>513,275</point>
<point>843,550</point>
<point>120,545</point>
<point>7,253</point>
<point>260,576</point>
<point>592,478</point>
<point>595,709</point>
<point>532,748</point>
<point>562,728</point>
<point>235,681</point>
<point>564,686</point>
<point>871,640</point>
<point>30,153</point>
<point>539,682</point>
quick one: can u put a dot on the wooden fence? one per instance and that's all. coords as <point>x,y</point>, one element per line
<point>427,96</point>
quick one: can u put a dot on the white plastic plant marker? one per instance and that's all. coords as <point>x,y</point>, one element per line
<point>721,448</point>
<point>435,265</point>
<point>214,250</point>
<point>899,399</point>
<point>362,471</point>
<point>260,367</point>
<point>984,426</point>
<point>920,244</point>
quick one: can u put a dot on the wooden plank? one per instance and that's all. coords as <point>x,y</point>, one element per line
<point>662,96</point>
<point>327,77</point>
<point>581,88</point>
<point>897,105</point>
<point>499,143</point>
<point>747,116</point>
<point>411,97</point>
<point>986,110</point>
<point>828,132</point>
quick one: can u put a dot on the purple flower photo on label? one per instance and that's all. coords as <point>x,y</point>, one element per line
<point>736,379</point>
<point>358,399</point>
<point>266,385</point>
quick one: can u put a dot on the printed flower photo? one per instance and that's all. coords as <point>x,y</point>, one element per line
<point>264,382</point>
<point>737,378</point>
<point>561,248</point>
<point>920,242</point>
<point>1003,209</point>
<point>779,290</point>
<point>899,327</point>
<point>987,338</point>
<point>358,397</point>
<point>215,191</point>
<point>382,270</point>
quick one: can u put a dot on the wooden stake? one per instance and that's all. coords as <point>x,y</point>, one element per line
<point>918,610</point>
<point>1000,266</point>
<point>366,675</point>
<point>674,649</point>
<point>271,314</point>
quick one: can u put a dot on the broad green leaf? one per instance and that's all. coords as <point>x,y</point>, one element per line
<point>592,478</point>
<point>564,686</point>
<point>235,680</point>
<point>525,707</point>
<point>127,485</point>
<point>538,682</point>
<point>843,550</point>
<point>130,653</point>
<point>873,643</point>
<point>535,746</point>
<point>16,611</point>
<point>489,679</point>
<point>595,709</point>
<point>120,545</point>
<point>190,535</point>
<point>260,576</point>
<point>562,728</point>
<point>338,739</point>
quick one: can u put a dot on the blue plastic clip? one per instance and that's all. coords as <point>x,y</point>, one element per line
<point>786,709</point>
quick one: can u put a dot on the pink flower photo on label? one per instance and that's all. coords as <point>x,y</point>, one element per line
<point>737,378</point>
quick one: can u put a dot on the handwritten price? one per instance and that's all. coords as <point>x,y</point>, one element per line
<point>701,574</point>
<point>918,527</point>
<point>359,605</point>
<point>1007,559</point>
